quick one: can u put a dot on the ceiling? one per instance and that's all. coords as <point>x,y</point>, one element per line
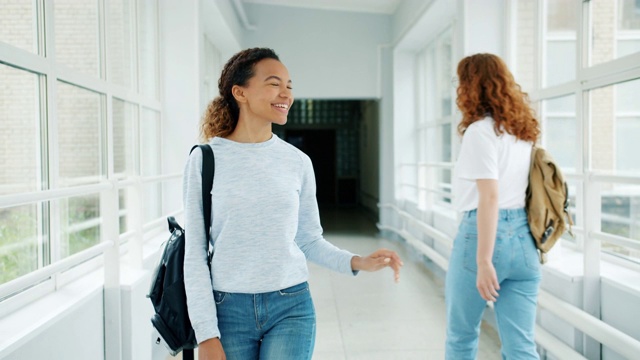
<point>366,6</point>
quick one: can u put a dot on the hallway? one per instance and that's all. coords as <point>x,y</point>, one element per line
<point>369,316</point>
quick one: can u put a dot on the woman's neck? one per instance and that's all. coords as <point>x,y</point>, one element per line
<point>251,132</point>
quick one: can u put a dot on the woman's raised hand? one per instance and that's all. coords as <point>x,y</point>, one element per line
<point>379,259</point>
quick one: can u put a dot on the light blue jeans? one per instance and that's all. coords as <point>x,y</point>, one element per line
<point>279,325</point>
<point>518,269</point>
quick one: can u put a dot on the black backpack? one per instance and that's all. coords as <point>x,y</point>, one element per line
<point>167,294</point>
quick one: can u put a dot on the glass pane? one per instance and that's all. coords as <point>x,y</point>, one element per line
<point>560,41</point>
<point>621,215</point>
<point>444,184</point>
<point>120,61</point>
<point>446,72</point>
<point>627,97</point>
<point>79,135</point>
<point>124,120</point>
<point>18,241</point>
<point>430,85</point>
<point>525,70</point>
<point>18,24</point>
<point>76,35</point>
<point>562,15</point>
<point>80,224</point>
<point>149,143</point>
<point>628,15</point>
<point>148,47</point>
<point>152,201</point>
<point>560,134</point>
<point>123,197</point>
<point>19,138</point>
<point>431,139</point>
<point>561,62</point>
<point>627,148</point>
<point>445,143</point>
<point>627,47</point>
<point>615,128</point>
<point>614,29</point>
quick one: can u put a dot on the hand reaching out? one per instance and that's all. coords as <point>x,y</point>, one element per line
<point>379,259</point>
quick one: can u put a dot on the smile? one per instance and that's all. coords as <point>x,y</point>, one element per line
<point>281,107</point>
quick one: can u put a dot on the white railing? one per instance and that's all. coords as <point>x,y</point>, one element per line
<point>60,265</point>
<point>34,277</point>
<point>602,332</point>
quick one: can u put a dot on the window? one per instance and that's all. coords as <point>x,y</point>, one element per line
<point>76,35</point>
<point>434,128</point>
<point>615,30</point>
<point>592,109</point>
<point>560,41</point>
<point>73,120</point>
<point>18,24</point>
<point>560,131</point>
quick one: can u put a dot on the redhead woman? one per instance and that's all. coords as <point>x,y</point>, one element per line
<point>493,257</point>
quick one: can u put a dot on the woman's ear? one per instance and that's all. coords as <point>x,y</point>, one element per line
<point>238,94</point>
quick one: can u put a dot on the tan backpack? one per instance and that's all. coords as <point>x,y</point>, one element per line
<point>547,202</point>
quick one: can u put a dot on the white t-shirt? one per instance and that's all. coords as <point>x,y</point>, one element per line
<point>486,155</point>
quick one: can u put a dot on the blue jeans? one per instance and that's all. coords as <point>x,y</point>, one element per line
<point>276,325</point>
<point>515,259</point>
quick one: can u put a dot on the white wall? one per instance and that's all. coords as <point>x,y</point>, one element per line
<point>483,26</point>
<point>329,54</point>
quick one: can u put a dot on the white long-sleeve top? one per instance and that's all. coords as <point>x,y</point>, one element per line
<point>265,224</point>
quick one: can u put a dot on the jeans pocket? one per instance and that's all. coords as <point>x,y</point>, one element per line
<point>219,296</point>
<point>295,290</point>
<point>529,251</point>
<point>471,251</point>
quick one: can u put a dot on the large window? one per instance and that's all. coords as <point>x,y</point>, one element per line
<point>78,102</point>
<point>598,114</point>
<point>435,122</point>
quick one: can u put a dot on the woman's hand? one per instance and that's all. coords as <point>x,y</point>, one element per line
<point>381,258</point>
<point>487,281</point>
<point>211,349</point>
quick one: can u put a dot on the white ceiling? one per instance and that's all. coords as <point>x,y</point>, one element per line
<point>367,6</point>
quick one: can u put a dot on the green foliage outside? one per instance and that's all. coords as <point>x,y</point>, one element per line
<point>18,242</point>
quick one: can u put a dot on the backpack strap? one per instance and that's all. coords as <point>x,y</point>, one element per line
<point>208,169</point>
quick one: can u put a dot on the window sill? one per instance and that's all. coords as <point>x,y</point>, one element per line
<point>27,323</point>
<point>569,265</point>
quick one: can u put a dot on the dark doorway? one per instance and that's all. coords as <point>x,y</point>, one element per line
<point>320,146</point>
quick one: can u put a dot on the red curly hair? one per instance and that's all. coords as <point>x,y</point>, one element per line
<point>487,87</point>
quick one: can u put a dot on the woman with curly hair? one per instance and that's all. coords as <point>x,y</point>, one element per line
<point>493,257</point>
<point>254,302</point>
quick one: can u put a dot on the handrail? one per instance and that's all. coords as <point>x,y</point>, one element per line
<point>560,349</point>
<point>13,200</point>
<point>602,332</point>
<point>444,165</point>
<point>158,178</point>
<point>436,234</point>
<point>426,249</point>
<point>615,239</point>
<point>618,179</point>
<point>160,220</point>
<point>39,275</point>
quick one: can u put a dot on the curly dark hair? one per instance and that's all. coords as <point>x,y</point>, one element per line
<point>221,116</point>
<point>486,86</point>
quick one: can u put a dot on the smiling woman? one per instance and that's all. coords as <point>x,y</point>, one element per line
<point>265,223</point>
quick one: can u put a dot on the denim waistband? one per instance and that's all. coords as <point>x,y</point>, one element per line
<point>503,214</point>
